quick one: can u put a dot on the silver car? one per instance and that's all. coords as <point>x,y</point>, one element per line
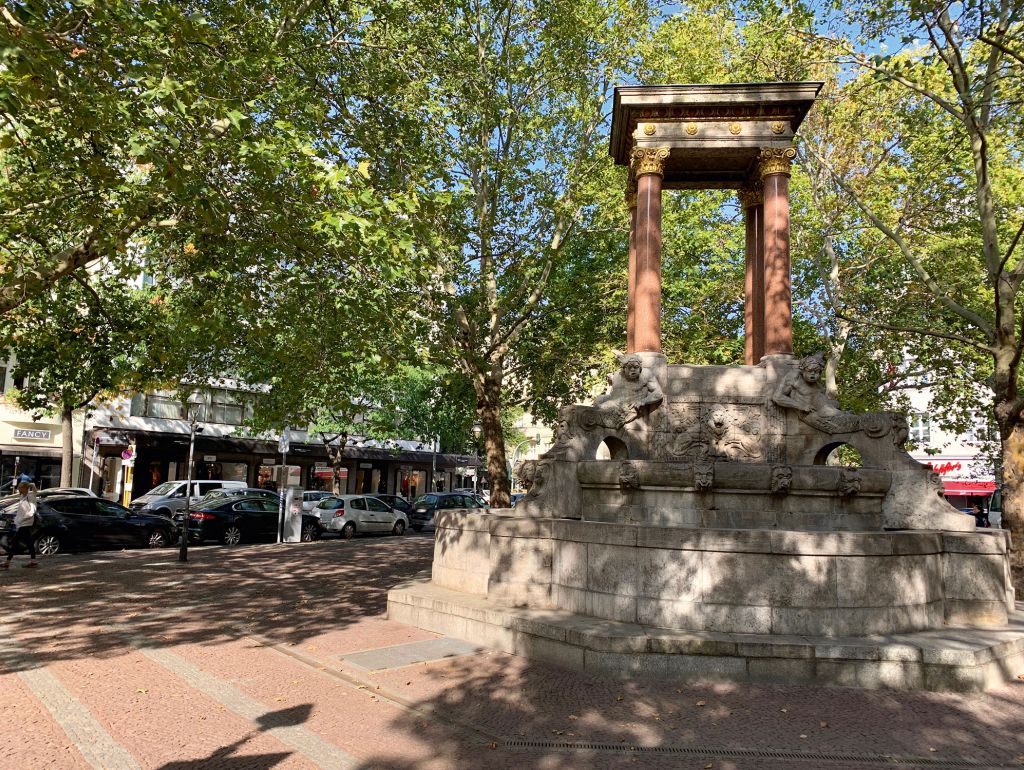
<point>310,498</point>
<point>348,515</point>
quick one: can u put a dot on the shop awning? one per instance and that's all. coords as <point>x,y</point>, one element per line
<point>968,488</point>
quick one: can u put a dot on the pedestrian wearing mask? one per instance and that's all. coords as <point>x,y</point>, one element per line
<point>25,520</point>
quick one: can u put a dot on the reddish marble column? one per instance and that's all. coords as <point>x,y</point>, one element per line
<point>648,167</point>
<point>778,308</point>
<point>631,294</point>
<point>753,306</point>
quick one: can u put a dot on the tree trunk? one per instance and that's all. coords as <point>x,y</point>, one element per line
<point>336,454</point>
<point>67,448</point>
<point>488,409</point>
<point>1013,487</point>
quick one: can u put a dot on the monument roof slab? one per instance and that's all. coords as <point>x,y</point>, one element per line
<point>714,132</point>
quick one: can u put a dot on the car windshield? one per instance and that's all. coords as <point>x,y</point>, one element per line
<point>425,500</point>
<point>164,489</point>
<point>331,503</point>
<point>216,494</point>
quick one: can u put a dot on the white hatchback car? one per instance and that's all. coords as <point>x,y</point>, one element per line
<point>347,515</point>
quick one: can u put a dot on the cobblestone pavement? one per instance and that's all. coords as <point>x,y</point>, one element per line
<point>237,661</point>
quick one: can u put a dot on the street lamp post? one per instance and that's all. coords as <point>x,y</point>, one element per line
<point>283,445</point>
<point>477,431</point>
<point>183,547</point>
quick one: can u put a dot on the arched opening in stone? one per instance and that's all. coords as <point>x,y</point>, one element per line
<point>612,449</point>
<point>839,454</point>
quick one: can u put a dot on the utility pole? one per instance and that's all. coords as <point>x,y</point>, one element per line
<point>183,547</point>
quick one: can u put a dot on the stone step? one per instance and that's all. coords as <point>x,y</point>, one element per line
<point>952,658</point>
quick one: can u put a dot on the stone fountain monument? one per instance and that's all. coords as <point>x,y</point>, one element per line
<point>686,524</point>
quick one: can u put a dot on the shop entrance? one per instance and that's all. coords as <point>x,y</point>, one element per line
<point>370,479</point>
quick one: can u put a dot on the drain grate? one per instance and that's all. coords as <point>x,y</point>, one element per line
<point>738,753</point>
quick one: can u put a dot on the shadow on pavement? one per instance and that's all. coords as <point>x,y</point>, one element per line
<point>71,606</point>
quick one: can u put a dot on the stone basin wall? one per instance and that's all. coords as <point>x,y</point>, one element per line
<point>744,581</point>
<point>737,497</point>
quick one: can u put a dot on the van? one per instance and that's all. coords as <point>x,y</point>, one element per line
<point>164,499</point>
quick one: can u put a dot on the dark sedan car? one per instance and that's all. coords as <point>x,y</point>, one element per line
<point>425,506</point>
<point>396,502</point>
<point>74,522</point>
<point>231,521</point>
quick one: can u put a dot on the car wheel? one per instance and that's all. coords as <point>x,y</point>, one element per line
<point>164,512</point>
<point>232,535</point>
<point>48,544</point>
<point>310,532</point>
<point>399,528</point>
<point>348,531</point>
<point>158,538</point>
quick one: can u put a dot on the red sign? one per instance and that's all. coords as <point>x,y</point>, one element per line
<point>968,488</point>
<point>945,467</point>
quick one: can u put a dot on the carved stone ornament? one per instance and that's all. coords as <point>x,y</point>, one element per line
<point>777,126</point>
<point>729,438</point>
<point>735,128</point>
<point>703,476</point>
<point>776,160</point>
<point>649,160</point>
<point>782,479</point>
<point>750,195</point>
<point>525,471</point>
<point>629,477</point>
<point>850,481</point>
<point>691,128</point>
<point>650,129</point>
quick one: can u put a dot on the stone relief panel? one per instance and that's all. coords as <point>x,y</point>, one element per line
<point>733,432</point>
<point>679,436</point>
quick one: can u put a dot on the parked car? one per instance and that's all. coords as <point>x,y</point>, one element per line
<point>396,502</point>
<point>82,491</point>
<point>349,515</point>
<point>237,492</point>
<point>483,496</point>
<point>167,498</point>
<point>231,521</point>
<point>425,506</point>
<point>311,497</point>
<point>77,522</point>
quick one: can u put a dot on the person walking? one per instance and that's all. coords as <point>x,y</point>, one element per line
<point>25,520</point>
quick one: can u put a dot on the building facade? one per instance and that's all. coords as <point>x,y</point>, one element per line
<point>967,471</point>
<point>30,446</point>
<point>134,444</point>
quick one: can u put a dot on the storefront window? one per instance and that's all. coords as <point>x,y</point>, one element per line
<point>273,477</point>
<point>412,484</point>
<point>44,471</point>
<point>322,479</point>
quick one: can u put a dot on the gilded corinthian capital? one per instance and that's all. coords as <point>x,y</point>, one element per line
<point>649,160</point>
<point>776,160</point>
<point>751,194</point>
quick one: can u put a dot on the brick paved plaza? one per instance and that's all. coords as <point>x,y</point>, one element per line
<point>279,656</point>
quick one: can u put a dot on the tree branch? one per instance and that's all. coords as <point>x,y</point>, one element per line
<point>929,280</point>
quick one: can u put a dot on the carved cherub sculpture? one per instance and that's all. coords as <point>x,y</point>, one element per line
<point>802,390</point>
<point>632,392</point>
